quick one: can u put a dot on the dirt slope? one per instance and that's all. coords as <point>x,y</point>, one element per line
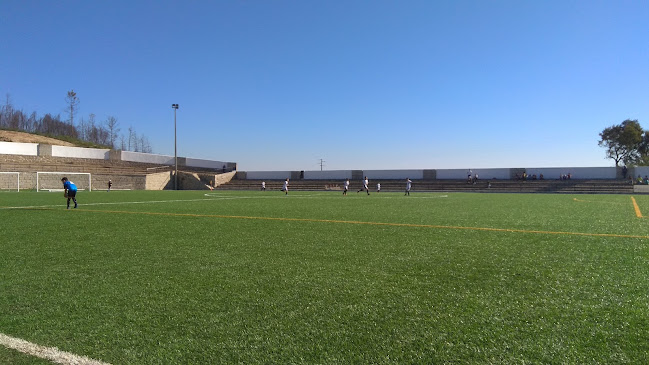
<point>11,136</point>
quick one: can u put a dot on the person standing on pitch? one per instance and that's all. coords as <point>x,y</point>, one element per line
<point>345,187</point>
<point>110,184</point>
<point>263,186</point>
<point>285,187</point>
<point>365,187</point>
<point>69,191</point>
<point>408,186</point>
<point>378,187</point>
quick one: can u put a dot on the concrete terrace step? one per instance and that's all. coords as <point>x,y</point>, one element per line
<point>46,163</point>
<point>537,186</point>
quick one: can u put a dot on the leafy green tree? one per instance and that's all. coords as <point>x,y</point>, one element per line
<point>624,142</point>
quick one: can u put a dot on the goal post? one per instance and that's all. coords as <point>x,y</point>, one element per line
<point>10,181</point>
<point>51,181</point>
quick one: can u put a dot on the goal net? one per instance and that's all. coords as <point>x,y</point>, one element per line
<point>10,181</point>
<point>51,181</point>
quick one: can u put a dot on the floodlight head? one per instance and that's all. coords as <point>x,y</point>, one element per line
<point>175,106</point>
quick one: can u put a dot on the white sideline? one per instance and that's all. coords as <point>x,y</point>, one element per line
<point>215,196</point>
<point>48,353</point>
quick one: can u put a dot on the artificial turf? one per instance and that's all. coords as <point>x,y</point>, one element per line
<point>143,277</point>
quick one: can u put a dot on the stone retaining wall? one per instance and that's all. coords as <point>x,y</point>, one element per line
<point>99,181</point>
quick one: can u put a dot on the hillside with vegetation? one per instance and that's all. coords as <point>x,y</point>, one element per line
<point>76,130</point>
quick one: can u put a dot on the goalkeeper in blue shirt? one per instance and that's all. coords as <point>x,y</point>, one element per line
<point>70,191</point>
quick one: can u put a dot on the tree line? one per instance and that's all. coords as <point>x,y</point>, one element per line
<point>89,130</point>
<point>626,143</point>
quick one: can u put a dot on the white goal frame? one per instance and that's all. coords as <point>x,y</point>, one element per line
<point>17,179</point>
<point>60,174</point>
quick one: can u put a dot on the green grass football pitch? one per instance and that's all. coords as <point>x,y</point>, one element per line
<point>141,277</point>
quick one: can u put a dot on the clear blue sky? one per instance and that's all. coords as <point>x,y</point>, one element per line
<point>381,84</point>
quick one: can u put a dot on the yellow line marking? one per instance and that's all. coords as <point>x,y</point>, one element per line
<point>638,213</point>
<point>598,202</point>
<point>312,220</point>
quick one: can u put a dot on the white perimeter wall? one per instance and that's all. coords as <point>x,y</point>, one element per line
<point>17,148</point>
<point>553,173</point>
<point>80,152</point>
<point>147,158</point>
<point>194,162</point>
<point>268,175</point>
<point>328,175</point>
<point>641,170</point>
<point>484,174</point>
<point>393,174</point>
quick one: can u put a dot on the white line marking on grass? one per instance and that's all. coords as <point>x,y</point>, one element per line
<point>49,353</point>
<point>427,197</point>
<point>116,203</point>
<point>599,202</point>
<point>280,196</point>
<point>323,194</point>
<point>213,196</point>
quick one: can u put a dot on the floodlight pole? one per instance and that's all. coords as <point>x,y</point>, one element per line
<point>175,107</point>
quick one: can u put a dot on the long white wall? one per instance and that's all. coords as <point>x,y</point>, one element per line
<point>17,148</point>
<point>195,162</point>
<point>147,158</point>
<point>549,173</point>
<point>554,173</point>
<point>268,175</point>
<point>641,170</point>
<point>393,174</point>
<point>79,152</point>
<point>328,175</point>
<point>484,174</point>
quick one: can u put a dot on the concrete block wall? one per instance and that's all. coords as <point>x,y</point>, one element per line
<point>120,182</point>
<point>221,179</point>
<point>159,181</point>
<point>9,181</point>
<point>45,150</point>
<point>53,181</point>
<point>192,181</point>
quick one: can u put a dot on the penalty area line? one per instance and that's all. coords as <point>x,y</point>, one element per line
<point>48,353</point>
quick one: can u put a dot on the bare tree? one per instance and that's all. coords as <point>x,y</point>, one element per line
<point>6,112</point>
<point>145,146</point>
<point>32,122</point>
<point>122,143</point>
<point>113,129</point>
<point>73,104</point>
<point>89,130</point>
<point>131,136</point>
